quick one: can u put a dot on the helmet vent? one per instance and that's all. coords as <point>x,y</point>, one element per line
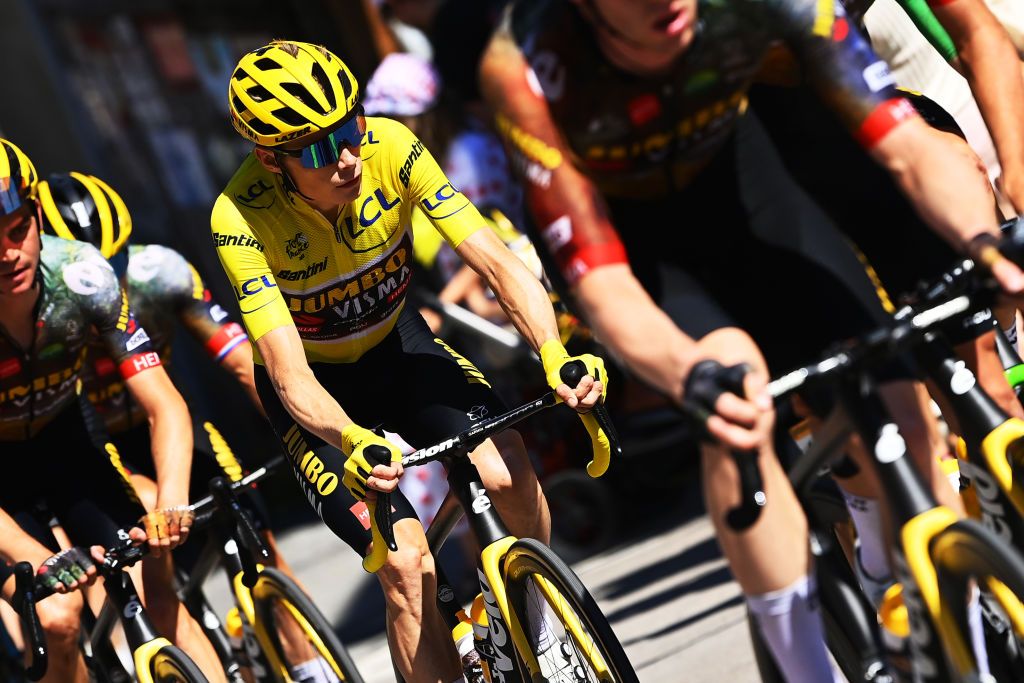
<point>259,93</point>
<point>346,84</point>
<point>302,95</point>
<point>262,127</point>
<point>266,64</point>
<point>325,84</point>
<point>290,116</point>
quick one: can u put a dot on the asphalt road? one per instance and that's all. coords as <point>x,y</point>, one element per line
<point>663,584</point>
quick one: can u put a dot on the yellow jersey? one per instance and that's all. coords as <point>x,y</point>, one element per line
<point>341,285</point>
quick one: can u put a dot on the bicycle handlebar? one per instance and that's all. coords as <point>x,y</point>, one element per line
<point>957,293</point>
<point>603,443</point>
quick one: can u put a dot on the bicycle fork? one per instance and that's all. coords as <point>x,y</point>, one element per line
<point>142,638</point>
<point>936,628</point>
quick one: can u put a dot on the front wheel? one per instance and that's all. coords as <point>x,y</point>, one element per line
<point>299,636</point>
<point>567,632</point>
<point>171,665</point>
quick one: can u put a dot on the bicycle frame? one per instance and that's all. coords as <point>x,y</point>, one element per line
<point>242,571</point>
<point>468,496</point>
<point>937,624</point>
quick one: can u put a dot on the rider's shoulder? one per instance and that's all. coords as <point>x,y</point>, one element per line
<point>79,269</point>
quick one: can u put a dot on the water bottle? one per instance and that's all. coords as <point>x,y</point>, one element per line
<point>481,637</point>
<point>465,643</point>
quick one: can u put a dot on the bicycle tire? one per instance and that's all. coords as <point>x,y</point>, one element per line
<point>967,549</point>
<point>528,558</point>
<point>274,585</point>
<point>170,665</point>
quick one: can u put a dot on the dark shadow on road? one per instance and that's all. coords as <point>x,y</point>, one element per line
<point>683,623</point>
<point>708,580</point>
<point>704,551</point>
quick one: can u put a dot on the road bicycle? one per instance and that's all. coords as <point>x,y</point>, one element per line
<point>522,581</point>
<point>281,626</point>
<point>155,659</point>
<point>937,556</point>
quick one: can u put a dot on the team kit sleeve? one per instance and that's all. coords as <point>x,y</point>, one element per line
<point>567,207</point>
<point>106,307</point>
<point>839,63</point>
<point>205,319</point>
<point>450,212</point>
<point>242,257</point>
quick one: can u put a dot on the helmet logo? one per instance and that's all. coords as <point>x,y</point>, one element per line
<point>291,136</point>
<point>297,246</point>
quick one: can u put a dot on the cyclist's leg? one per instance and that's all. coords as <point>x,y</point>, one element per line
<point>59,615</point>
<point>94,502</point>
<point>421,644</point>
<point>25,487</point>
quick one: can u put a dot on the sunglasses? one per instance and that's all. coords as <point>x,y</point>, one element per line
<point>326,151</point>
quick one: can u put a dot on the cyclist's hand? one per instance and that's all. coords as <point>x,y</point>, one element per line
<point>69,569</point>
<point>718,398</point>
<point>167,528</point>
<point>590,390</point>
<point>359,474</point>
<point>984,251</point>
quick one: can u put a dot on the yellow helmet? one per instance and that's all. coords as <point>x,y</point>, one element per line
<point>286,90</point>
<point>83,207</point>
<point>17,178</point>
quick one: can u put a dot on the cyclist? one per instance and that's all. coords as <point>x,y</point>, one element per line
<point>314,234</point>
<point>54,296</point>
<point>617,134</point>
<point>163,289</point>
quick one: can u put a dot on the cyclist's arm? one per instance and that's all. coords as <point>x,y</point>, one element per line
<point>271,329</point>
<point>224,340</point>
<point>521,295</point>
<point>948,189</point>
<point>128,345</point>
<point>170,434</point>
<point>240,364</point>
<point>991,67</point>
<point>577,230</point>
<point>18,546</point>
<point>300,392</point>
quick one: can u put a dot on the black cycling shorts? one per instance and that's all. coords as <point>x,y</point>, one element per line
<point>59,472</point>
<point>412,384</point>
<point>857,193</point>
<point>211,457</point>
<point>743,246</point>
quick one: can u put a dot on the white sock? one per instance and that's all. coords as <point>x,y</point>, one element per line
<point>790,624</point>
<point>316,670</point>
<point>977,631</point>
<point>460,679</point>
<point>867,518</point>
<point>540,628</point>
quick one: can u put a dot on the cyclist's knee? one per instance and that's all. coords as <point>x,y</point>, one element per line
<point>504,465</point>
<point>402,574</point>
<point>60,617</point>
